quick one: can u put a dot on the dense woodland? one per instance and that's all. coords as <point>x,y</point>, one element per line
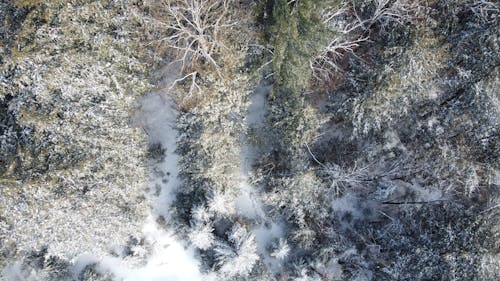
<point>249,140</point>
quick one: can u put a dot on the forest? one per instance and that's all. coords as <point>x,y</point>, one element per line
<point>266,140</point>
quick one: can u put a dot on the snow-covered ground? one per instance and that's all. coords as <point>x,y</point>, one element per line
<point>162,257</point>
<point>168,259</point>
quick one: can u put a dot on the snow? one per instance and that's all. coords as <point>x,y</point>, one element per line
<point>241,259</point>
<point>221,203</point>
<point>14,272</point>
<point>255,118</point>
<point>257,109</point>
<point>158,117</point>
<point>80,263</point>
<point>248,203</point>
<point>264,234</point>
<point>161,257</point>
<point>348,203</point>
<point>169,260</point>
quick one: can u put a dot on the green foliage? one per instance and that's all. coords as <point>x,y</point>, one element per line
<point>296,36</point>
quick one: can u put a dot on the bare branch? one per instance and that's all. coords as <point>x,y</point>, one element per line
<point>325,64</point>
<point>486,10</point>
<point>193,28</point>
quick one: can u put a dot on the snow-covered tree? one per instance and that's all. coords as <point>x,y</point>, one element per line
<point>239,258</point>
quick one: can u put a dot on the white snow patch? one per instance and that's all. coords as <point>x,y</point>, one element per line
<point>427,194</point>
<point>157,117</point>
<point>348,203</point>
<point>80,263</point>
<point>257,109</point>
<point>169,260</point>
<point>248,203</point>
<point>264,235</point>
<point>15,272</point>
<point>256,115</point>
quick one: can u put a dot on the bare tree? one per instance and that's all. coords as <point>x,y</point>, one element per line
<point>326,63</point>
<point>353,29</point>
<point>193,28</point>
<point>191,32</point>
<point>387,11</point>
